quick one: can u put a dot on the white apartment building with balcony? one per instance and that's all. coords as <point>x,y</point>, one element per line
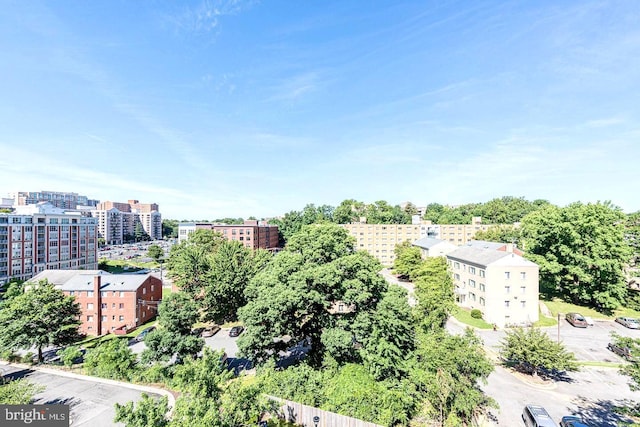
<point>501,284</point>
<point>42,237</point>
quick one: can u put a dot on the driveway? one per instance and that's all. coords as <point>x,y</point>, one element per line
<point>390,278</point>
<point>91,401</point>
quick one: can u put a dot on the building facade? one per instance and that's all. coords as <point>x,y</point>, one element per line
<point>380,240</point>
<point>501,284</point>
<point>42,237</point>
<point>430,247</point>
<point>58,199</point>
<point>117,222</point>
<point>252,233</point>
<point>109,302</point>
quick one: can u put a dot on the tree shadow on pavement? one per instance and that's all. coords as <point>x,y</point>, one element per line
<point>602,413</point>
<point>17,375</point>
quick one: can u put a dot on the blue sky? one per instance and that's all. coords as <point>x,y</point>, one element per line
<point>239,108</point>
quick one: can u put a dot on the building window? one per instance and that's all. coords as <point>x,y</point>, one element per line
<point>507,274</point>
<point>71,293</point>
<point>457,276</point>
<point>113,317</point>
<point>103,305</point>
<point>472,283</point>
<point>121,294</point>
<point>121,318</point>
<point>523,304</point>
<point>472,270</point>
<point>481,273</point>
<point>89,318</point>
<point>152,287</point>
<point>90,306</point>
<point>103,318</point>
<point>481,301</point>
<point>121,306</point>
<point>507,289</point>
<point>523,289</point>
<point>506,304</point>
<point>89,293</point>
<point>144,291</point>
<point>523,275</point>
<point>482,287</point>
<point>456,265</point>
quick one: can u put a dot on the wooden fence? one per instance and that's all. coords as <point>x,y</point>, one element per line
<point>309,416</point>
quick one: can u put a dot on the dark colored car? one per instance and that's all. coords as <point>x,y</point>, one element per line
<point>144,333</point>
<point>622,351</point>
<point>236,331</point>
<point>577,320</point>
<point>210,331</point>
<point>628,322</point>
<point>572,421</point>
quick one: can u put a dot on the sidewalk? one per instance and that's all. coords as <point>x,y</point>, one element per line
<point>171,400</point>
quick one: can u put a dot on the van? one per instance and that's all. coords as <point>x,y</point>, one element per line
<point>537,416</point>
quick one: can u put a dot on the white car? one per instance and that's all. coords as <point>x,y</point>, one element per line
<point>589,320</point>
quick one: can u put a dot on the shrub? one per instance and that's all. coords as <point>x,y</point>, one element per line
<point>28,358</point>
<point>476,314</point>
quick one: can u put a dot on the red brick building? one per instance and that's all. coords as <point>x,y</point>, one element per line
<point>108,301</point>
<point>252,234</point>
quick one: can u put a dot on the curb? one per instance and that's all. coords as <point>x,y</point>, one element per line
<point>171,400</point>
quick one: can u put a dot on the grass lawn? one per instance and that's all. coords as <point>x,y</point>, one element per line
<point>600,364</point>
<point>545,321</point>
<point>165,292</point>
<point>117,266</point>
<point>464,316</point>
<point>558,306</point>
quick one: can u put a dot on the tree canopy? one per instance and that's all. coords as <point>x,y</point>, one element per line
<point>581,252</point>
<point>40,317</point>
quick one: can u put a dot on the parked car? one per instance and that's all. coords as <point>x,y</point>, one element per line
<point>537,416</point>
<point>577,320</point>
<point>144,333</point>
<point>236,331</point>
<point>628,322</point>
<point>589,320</point>
<point>572,421</point>
<point>622,351</point>
<point>210,331</point>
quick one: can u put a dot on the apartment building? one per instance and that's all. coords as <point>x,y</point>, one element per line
<point>430,247</point>
<point>458,234</point>
<point>498,282</point>
<point>58,199</point>
<point>380,240</point>
<point>117,221</point>
<point>42,237</point>
<point>109,302</point>
<point>252,233</point>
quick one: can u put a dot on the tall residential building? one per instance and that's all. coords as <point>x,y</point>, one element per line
<point>118,221</point>
<point>58,199</point>
<point>42,237</point>
<point>498,282</point>
<point>109,302</point>
<point>252,233</point>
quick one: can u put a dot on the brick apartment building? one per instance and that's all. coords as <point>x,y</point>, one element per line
<point>252,233</point>
<point>108,301</point>
<point>42,237</point>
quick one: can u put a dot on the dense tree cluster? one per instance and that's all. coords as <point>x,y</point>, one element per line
<point>504,210</point>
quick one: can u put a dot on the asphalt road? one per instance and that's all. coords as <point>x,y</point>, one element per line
<point>91,403</point>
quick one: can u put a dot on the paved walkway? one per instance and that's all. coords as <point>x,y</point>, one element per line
<point>92,398</point>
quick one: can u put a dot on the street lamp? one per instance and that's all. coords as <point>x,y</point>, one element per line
<point>316,420</point>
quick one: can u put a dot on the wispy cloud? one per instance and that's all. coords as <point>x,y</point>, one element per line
<point>204,18</point>
<point>295,87</point>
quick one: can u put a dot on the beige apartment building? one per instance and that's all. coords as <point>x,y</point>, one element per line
<point>501,284</point>
<point>380,240</point>
<point>430,248</point>
<point>117,221</point>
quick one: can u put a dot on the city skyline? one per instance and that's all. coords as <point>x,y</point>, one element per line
<point>217,109</point>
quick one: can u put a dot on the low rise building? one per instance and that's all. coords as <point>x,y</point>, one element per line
<point>500,283</point>
<point>252,233</point>
<point>109,302</point>
<point>430,247</point>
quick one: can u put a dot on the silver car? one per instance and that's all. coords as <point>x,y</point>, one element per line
<point>628,322</point>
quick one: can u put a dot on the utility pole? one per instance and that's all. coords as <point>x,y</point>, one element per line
<point>558,328</point>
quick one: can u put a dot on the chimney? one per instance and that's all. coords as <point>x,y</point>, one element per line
<point>97,282</point>
<point>510,247</point>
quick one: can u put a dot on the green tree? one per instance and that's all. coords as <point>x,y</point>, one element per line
<point>348,211</point>
<point>535,352</point>
<point>408,259</point>
<point>581,252</point>
<point>170,228</point>
<point>176,315</point>
<point>390,342</point>
<point>188,267</point>
<point>632,236</point>
<point>433,289</point>
<point>147,412</point>
<point>11,290</point>
<point>631,369</point>
<point>69,354</point>
<point>447,370</point>
<point>499,233</point>
<point>155,252</point>
<point>111,359</point>
<point>139,233</point>
<point>300,292</point>
<point>18,392</point>
<point>40,317</point>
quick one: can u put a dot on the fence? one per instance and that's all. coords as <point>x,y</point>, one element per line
<point>309,416</point>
